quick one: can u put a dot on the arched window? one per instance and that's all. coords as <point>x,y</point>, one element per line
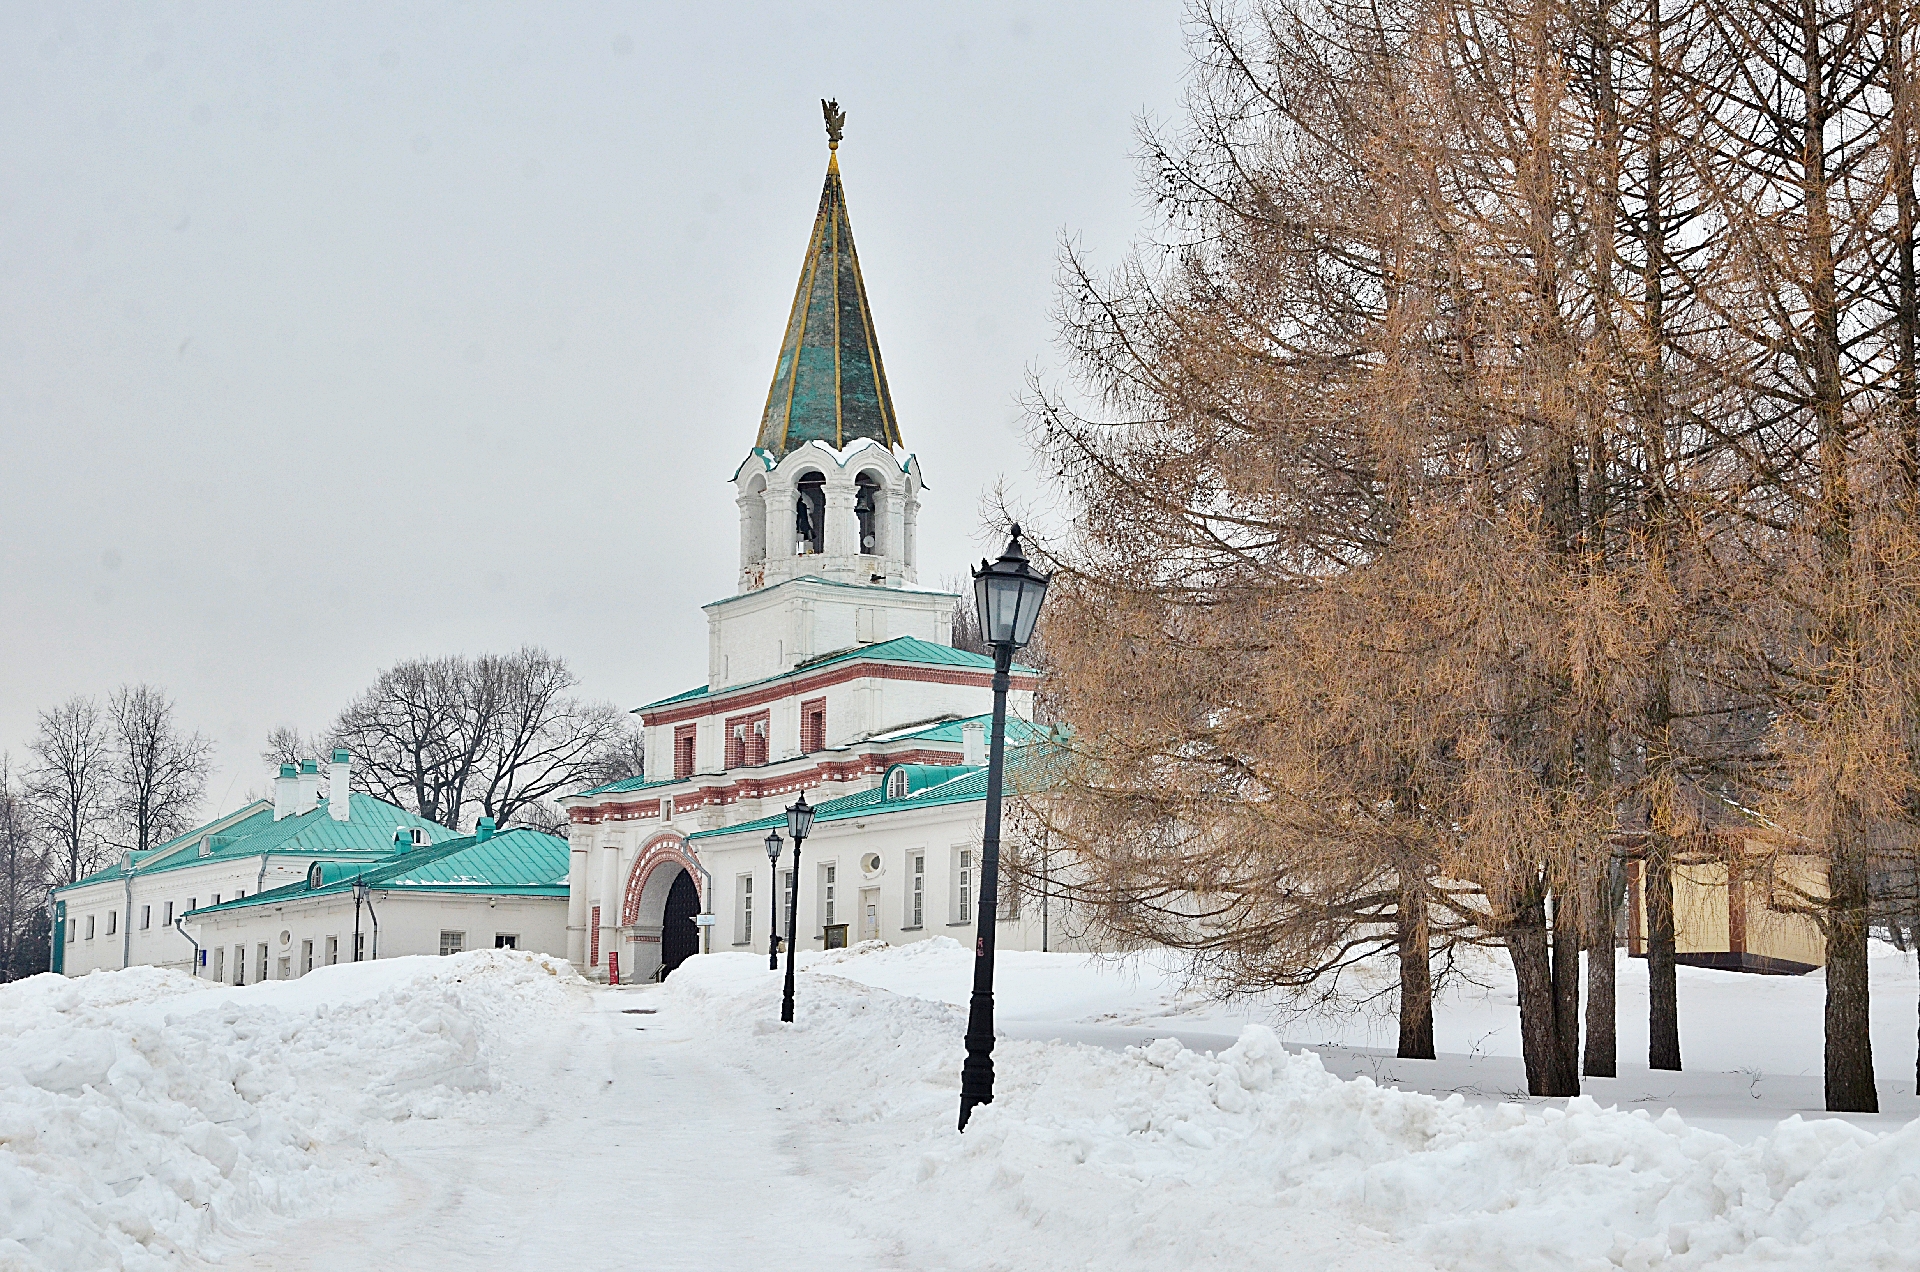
<point>897,784</point>
<point>810,514</point>
<point>866,513</point>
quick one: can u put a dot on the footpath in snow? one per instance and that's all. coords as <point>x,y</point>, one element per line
<point>493,1110</point>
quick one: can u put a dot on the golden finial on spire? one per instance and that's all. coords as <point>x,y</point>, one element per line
<point>836,121</point>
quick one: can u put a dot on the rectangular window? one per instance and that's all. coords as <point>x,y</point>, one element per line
<point>216,899</point>
<point>743,917</point>
<point>593,942</point>
<point>260,963</point>
<point>239,964</point>
<point>113,922</point>
<point>917,896</point>
<point>89,927</point>
<point>146,917</point>
<point>452,942</point>
<point>286,967</point>
<point>359,946</point>
<point>333,950</point>
<point>240,894</point>
<point>683,741</point>
<point>220,963</point>
<point>813,726</point>
<point>193,903</point>
<point>506,940</point>
<point>783,922</point>
<point>962,885</point>
<point>168,920</point>
<point>306,957</point>
<point>73,930</point>
<point>827,876</point>
<point>747,739</point>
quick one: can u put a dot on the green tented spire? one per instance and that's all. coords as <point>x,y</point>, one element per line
<point>829,384</point>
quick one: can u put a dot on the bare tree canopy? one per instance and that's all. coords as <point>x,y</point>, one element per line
<point>159,773</point>
<point>456,738</point>
<point>1502,467</point>
<point>70,784</point>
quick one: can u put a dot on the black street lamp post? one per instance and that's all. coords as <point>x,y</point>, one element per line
<point>799,825</point>
<point>1008,593</point>
<point>773,900</point>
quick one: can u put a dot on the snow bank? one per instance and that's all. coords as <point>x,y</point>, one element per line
<point>1104,1157</point>
<point>145,1116</point>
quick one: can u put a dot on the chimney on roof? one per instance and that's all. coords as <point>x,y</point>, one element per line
<point>973,743</point>
<point>309,784</point>
<point>286,792</point>
<point>338,772</point>
<point>484,831</point>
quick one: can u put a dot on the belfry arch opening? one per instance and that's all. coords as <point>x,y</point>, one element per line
<point>810,513</point>
<point>869,514</point>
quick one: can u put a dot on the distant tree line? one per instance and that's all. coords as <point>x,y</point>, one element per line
<point>1502,464</point>
<point>101,779</point>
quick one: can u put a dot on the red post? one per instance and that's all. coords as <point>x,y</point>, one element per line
<point>613,967</point>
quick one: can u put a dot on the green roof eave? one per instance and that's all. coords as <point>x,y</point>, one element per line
<point>900,651</point>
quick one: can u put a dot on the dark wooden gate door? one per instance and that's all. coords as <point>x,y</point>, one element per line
<point>679,938</point>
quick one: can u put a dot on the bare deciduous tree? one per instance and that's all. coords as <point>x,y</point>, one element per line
<point>70,783</point>
<point>460,738</point>
<point>159,773</point>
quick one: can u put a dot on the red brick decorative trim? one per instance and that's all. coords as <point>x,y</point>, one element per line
<point>740,700</point>
<point>661,850</point>
<point>760,788</point>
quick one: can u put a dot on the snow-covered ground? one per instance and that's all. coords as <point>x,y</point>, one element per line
<point>493,1110</point>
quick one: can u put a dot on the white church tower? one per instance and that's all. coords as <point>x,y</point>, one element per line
<point>830,671</point>
<point>829,498</point>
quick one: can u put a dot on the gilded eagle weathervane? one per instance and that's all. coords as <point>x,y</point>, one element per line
<point>836,121</point>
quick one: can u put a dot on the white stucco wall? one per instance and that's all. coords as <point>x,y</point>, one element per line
<point>157,943</point>
<point>410,923</point>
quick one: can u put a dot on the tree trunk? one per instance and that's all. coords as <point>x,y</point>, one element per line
<point>1663,991</point>
<point>1566,982</point>
<point>1849,1050</point>
<point>1548,1072</point>
<point>1416,976</point>
<point>1602,1001</point>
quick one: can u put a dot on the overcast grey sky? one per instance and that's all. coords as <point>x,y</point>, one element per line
<point>337,334</point>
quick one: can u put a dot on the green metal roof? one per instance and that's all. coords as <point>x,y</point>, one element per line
<point>828,383</point>
<point>901,649</point>
<point>367,832</point>
<point>1026,769</point>
<point>1018,731</point>
<point>628,784</point>
<point>510,863</point>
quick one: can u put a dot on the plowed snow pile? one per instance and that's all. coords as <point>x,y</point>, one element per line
<point>1095,1155</point>
<point>145,1117</point>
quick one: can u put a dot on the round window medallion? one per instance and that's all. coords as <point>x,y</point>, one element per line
<point>285,937</point>
<point>871,863</point>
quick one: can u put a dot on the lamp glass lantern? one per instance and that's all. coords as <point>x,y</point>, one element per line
<point>773,846</point>
<point>1007,594</point>
<point>800,818</point>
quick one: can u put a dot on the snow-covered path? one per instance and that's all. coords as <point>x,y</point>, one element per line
<point>492,1110</point>
<point>623,1143</point>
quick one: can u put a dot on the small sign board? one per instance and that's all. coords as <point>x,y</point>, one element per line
<point>703,920</point>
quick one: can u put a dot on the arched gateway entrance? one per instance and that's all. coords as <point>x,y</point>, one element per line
<point>679,938</point>
<point>656,918</point>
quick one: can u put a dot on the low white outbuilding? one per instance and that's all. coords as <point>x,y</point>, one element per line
<point>484,891</point>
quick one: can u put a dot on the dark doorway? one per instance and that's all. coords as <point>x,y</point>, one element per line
<point>679,938</point>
